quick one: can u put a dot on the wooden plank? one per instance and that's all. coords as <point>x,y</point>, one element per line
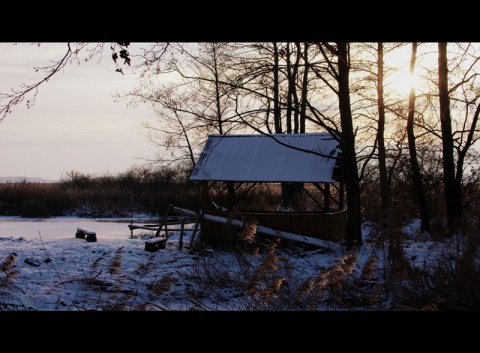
<point>133,226</point>
<point>154,227</point>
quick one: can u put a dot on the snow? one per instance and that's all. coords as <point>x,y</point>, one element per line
<point>266,158</point>
<point>56,271</point>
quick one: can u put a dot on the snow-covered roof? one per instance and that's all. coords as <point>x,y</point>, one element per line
<point>267,158</point>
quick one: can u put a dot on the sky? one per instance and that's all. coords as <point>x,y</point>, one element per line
<point>58,271</point>
<point>75,124</point>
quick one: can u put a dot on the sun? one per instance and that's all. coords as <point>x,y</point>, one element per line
<point>398,80</point>
<point>401,82</point>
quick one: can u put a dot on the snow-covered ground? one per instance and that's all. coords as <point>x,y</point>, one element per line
<point>47,268</point>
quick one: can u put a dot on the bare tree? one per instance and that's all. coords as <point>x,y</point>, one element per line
<point>195,103</point>
<point>416,174</point>
<point>376,114</point>
<point>273,78</point>
<point>382,155</point>
<point>464,93</point>
<point>337,60</point>
<point>451,195</point>
<point>347,145</point>
<point>173,130</point>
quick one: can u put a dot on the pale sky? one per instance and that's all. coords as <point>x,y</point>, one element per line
<point>75,125</point>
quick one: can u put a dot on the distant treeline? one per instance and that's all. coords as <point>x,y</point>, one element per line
<point>138,190</point>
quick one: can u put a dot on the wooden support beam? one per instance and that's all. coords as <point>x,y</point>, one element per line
<point>341,195</point>
<point>180,239</point>
<point>244,193</point>
<point>231,194</point>
<point>312,197</point>
<point>164,221</point>
<point>205,197</point>
<point>327,197</point>
<point>198,217</point>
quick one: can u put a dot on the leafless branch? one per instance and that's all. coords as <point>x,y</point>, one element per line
<point>29,91</point>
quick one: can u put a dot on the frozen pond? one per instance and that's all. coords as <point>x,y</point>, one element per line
<point>66,227</point>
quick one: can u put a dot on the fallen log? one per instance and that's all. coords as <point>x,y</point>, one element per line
<point>86,234</point>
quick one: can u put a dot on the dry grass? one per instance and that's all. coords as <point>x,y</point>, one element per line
<point>8,287</point>
<point>139,189</point>
<point>9,275</point>
<point>452,282</point>
<point>265,279</point>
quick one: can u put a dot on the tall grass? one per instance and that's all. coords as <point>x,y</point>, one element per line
<point>139,189</point>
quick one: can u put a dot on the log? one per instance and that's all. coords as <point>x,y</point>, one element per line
<point>91,238</point>
<point>83,233</point>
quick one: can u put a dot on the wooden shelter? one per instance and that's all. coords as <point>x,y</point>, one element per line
<point>249,160</point>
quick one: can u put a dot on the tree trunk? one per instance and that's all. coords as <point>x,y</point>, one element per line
<point>276,84</point>
<point>382,165</point>
<point>304,89</point>
<point>416,174</point>
<point>349,161</point>
<point>451,197</point>
<point>287,188</point>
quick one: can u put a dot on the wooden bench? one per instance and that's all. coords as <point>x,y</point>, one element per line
<point>83,233</point>
<point>153,244</point>
<point>156,227</point>
<point>159,241</point>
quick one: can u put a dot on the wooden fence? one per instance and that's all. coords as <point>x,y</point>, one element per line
<point>325,226</point>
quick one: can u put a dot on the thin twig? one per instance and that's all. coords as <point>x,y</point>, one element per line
<point>48,257</point>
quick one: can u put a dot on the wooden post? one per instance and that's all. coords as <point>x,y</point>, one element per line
<point>166,228</point>
<point>131,230</point>
<point>197,223</point>
<point>342,194</point>
<point>164,221</point>
<point>205,198</point>
<point>327,197</point>
<point>231,194</point>
<point>180,239</point>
